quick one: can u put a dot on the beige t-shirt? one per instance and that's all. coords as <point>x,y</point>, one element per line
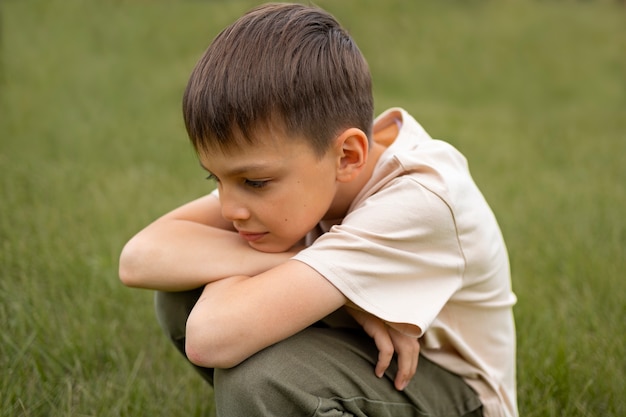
<point>420,245</point>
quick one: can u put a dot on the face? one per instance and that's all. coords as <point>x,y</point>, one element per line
<point>275,191</point>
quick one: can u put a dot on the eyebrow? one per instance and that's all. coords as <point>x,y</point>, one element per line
<point>241,169</point>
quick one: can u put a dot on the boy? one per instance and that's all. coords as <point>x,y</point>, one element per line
<point>336,251</point>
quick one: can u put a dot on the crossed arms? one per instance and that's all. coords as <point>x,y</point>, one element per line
<point>251,299</point>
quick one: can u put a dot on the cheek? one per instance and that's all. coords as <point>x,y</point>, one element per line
<point>315,203</point>
<point>304,201</point>
<point>296,212</point>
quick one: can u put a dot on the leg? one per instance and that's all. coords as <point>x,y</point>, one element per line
<point>326,372</point>
<point>172,311</point>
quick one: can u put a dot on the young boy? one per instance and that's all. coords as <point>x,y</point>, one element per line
<point>336,250</point>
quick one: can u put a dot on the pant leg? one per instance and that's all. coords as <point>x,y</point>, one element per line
<point>172,311</point>
<point>328,372</point>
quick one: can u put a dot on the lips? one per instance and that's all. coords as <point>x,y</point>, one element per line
<point>251,237</point>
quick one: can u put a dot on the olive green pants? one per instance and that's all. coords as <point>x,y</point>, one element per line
<point>320,372</point>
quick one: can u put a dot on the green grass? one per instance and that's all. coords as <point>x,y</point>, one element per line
<point>92,148</point>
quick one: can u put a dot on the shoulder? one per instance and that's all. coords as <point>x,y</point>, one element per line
<point>402,203</point>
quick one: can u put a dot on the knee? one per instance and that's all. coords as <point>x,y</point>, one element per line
<point>271,382</point>
<point>240,390</point>
<point>254,375</point>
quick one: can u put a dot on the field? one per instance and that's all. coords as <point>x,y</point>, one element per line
<point>92,148</point>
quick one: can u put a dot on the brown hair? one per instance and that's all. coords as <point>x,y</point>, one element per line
<point>285,65</point>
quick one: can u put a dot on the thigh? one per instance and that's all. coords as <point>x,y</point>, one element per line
<point>172,310</point>
<point>330,372</point>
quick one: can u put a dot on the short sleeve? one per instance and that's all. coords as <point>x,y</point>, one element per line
<point>396,255</point>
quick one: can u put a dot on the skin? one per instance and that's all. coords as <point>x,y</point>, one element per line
<point>275,193</point>
<point>271,195</point>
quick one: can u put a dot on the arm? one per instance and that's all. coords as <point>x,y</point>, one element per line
<point>193,245</point>
<point>189,247</point>
<point>237,317</point>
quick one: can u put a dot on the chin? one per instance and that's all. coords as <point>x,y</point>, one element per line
<point>269,248</point>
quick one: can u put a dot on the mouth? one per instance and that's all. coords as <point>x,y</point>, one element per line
<point>251,237</point>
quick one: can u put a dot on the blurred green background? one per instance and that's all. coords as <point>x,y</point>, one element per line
<point>92,148</point>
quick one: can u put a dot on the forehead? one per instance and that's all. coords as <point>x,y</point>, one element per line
<point>269,150</point>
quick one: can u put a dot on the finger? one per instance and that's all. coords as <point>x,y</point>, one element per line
<point>407,349</point>
<point>385,353</point>
<point>407,365</point>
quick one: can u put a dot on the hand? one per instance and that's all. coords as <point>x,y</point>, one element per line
<point>389,340</point>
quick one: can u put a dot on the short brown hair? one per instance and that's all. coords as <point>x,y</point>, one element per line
<point>279,63</point>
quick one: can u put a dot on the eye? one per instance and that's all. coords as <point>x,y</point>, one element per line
<point>256,183</point>
<point>212,177</point>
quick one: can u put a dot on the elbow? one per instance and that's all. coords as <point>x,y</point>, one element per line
<point>202,355</point>
<point>204,347</point>
<point>129,268</point>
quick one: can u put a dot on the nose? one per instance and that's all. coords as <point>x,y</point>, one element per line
<point>232,208</point>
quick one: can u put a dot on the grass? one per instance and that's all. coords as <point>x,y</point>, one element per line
<point>92,148</point>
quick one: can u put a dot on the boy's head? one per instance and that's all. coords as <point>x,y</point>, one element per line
<point>280,66</point>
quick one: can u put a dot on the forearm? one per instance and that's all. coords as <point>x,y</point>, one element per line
<point>238,316</point>
<point>177,255</point>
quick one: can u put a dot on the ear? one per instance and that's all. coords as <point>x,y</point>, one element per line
<point>352,148</point>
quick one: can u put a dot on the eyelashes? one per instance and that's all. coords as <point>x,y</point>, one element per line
<point>256,184</point>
